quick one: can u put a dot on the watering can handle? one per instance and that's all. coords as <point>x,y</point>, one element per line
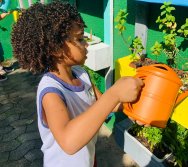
<point>141,76</point>
<point>181,97</point>
<point>161,65</point>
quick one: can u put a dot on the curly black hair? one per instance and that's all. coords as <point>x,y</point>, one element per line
<point>40,32</point>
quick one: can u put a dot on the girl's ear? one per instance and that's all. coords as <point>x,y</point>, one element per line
<point>60,56</point>
<point>58,53</point>
<point>62,52</point>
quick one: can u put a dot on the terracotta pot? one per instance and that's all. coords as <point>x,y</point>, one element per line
<point>158,97</point>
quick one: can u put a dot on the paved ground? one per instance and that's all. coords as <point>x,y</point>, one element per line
<point>109,154</point>
<point>19,138</point>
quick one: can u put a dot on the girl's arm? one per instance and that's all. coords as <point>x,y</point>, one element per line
<point>98,94</point>
<point>73,134</point>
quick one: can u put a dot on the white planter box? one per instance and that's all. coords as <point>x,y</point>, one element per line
<point>139,153</point>
<point>98,56</point>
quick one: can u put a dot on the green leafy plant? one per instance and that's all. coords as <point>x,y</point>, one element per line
<point>136,47</point>
<point>174,136</point>
<point>121,19</point>
<point>167,24</point>
<point>156,49</point>
<point>184,29</point>
<point>177,136</point>
<point>152,134</point>
<point>95,77</point>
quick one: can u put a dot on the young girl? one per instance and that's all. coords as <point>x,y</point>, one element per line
<point>49,38</point>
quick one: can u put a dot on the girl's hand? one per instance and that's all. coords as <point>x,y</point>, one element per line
<point>127,89</point>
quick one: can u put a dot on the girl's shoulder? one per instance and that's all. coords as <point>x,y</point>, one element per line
<point>46,82</point>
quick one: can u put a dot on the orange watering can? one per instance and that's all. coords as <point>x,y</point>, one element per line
<point>158,97</point>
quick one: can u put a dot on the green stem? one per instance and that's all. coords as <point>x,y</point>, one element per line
<point>124,40</point>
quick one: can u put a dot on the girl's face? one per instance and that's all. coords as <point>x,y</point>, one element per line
<point>76,47</point>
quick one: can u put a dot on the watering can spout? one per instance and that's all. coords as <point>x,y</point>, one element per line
<point>181,97</point>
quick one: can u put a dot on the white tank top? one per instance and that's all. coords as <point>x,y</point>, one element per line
<point>77,100</point>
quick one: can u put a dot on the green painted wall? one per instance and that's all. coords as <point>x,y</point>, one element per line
<point>154,34</point>
<point>5,31</point>
<point>92,14</point>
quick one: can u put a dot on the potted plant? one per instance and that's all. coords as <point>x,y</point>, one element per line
<point>135,46</point>
<point>151,146</point>
<point>174,136</point>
